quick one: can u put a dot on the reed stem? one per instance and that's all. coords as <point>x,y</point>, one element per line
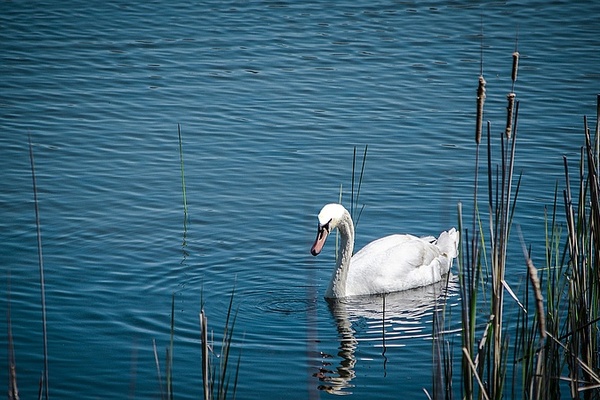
<point>205,359</point>
<point>38,225</point>
<point>185,207</point>
<point>354,199</point>
<point>13,390</point>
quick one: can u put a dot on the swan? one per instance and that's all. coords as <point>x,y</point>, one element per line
<point>389,264</point>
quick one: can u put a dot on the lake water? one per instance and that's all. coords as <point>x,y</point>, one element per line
<point>272,97</point>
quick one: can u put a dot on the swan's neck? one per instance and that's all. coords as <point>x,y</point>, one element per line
<point>337,286</point>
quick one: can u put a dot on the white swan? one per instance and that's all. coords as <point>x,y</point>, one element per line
<point>390,264</point>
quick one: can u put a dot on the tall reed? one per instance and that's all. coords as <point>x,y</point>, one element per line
<point>556,340</point>
<point>569,336</point>
<point>13,390</point>
<point>482,260</point>
<point>44,385</point>
<point>355,197</point>
<point>580,342</point>
<point>169,394</point>
<point>216,379</point>
<point>484,360</point>
<point>183,191</point>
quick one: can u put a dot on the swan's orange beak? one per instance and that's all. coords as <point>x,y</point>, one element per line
<point>320,240</point>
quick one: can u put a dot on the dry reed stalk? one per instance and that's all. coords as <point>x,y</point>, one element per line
<point>205,363</point>
<point>593,181</point>
<point>216,379</point>
<point>170,351</point>
<point>570,214</point>
<point>157,363</point>
<point>538,381</point>
<point>556,296</point>
<point>468,295</point>
<point>504,212</point>
<point>475,374</point>
<point>593,374</point>
<point>481,348</point>
<point>13,390</point>
<point>223,386</point>
<point>442,355</point>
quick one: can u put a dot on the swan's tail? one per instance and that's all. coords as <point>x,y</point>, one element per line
<point>448,242</point>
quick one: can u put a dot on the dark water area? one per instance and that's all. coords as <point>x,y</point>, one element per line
<point>271,98</point>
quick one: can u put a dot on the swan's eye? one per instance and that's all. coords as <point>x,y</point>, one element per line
<point>324,227</point>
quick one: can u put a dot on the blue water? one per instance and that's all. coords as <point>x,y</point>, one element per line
<point>271,97</point>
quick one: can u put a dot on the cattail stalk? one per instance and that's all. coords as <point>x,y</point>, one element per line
<point>511,96</point>
<point>539,298</point>
<point>480,101</point>
<point>515,67</point>
<point>509,113</point>
<point>538,382</point>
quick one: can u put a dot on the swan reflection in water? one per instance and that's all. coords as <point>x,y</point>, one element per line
<point>389,317</point>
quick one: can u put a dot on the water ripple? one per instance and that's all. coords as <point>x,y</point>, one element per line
<point>271,99</point>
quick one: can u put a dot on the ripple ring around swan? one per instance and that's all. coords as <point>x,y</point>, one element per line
<point>287,305</point>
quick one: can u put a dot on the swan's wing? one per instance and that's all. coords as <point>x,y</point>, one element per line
<point>384,244</point>
<point>395,263</point>
<point>408,249</point>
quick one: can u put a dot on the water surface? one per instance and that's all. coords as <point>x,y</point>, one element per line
<point>271,97</point>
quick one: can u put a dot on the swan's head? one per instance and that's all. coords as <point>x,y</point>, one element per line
<point>329,219</point>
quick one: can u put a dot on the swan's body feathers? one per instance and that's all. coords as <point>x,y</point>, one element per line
<point>390,264</point>
<point>394,263</point>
